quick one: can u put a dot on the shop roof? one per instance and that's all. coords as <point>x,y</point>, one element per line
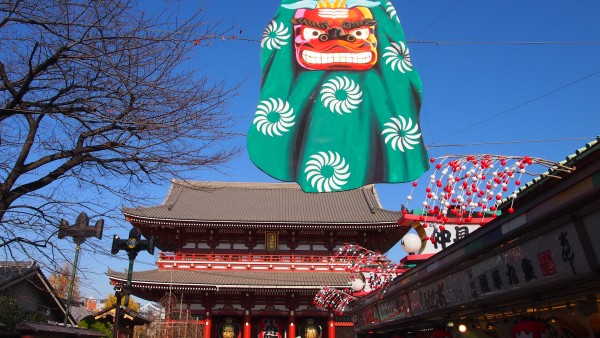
<point>580,158</point>
<point>11,272</point>
<point>52,329</point>
<point>15,273</point>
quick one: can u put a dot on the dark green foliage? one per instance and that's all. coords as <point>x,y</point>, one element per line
<point>11,314</point>
<point>103,326</point>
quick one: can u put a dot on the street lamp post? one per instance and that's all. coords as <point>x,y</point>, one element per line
<point>80,231</point>
<point>133,245</point>
<point>118,295</point>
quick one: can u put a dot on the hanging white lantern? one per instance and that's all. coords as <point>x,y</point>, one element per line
<point>411,243</point>
<point>358,285</point>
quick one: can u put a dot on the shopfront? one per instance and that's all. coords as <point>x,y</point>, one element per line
<point>534,272</point>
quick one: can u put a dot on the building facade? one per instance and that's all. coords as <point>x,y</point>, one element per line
<point>533,272</point>
<point>246,259</point>
<point>26,283</point>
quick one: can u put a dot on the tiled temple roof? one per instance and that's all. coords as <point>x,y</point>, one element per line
<point>236,279</point>
<point>283,203</point>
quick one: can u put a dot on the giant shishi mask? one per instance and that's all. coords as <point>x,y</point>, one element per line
<point>335,38</point>
<point>339,102</point>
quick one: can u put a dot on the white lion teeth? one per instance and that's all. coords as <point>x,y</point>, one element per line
<point>333,13</point>
<point>324,161</point>
<point>402,134</point>
<point>398,57</point>
<point>327,58</point>
<point>330,99</point>
<point>285,118</point>
<point>275,36</point>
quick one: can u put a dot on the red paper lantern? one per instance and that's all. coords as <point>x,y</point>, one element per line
<point>441,334</point>
<point>529,328</point>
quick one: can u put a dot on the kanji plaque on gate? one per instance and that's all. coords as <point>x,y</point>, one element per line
<point>271,241</point>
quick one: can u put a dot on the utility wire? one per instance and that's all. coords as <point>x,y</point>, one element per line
<point>519,106</point>
<point>226,38</point>
<point>504,42</point>
<point>437,19</point>
<point>511,142</point>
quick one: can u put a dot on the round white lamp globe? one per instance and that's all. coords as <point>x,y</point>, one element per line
<point>358,285</point>
<point>411,243</point>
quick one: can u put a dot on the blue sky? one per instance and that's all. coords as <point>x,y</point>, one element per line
<point>499,77</point>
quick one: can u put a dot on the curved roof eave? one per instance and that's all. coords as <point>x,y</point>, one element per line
<point>269,203</point>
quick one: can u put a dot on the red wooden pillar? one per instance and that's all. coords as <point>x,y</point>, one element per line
<point>247,326</point>
<point>292,326</point>
<point>331,327</point>
<point>207,327</point>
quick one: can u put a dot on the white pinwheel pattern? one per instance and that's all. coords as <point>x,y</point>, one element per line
<point>392,11</point>
<point>275,36</point>
<point>327,161</point>
<point>402,134</point>
<point>284,118</point>
<point>398,57</point>
<point>333,87</point>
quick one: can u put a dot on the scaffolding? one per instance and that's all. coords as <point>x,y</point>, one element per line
<point>174,322</point>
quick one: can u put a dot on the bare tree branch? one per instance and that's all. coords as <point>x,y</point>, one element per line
<point>97,96</point>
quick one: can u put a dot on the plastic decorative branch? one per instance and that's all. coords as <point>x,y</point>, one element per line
<point>372,271</point>
<point>471,187</point>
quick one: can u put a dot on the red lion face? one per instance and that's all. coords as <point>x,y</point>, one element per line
<point>335,38</point>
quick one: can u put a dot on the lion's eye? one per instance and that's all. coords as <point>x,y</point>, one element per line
<point>311,33</point>
<point>361,33</point>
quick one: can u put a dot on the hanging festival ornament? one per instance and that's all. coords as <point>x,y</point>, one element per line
<point>468,189</point>
<point>372,271</point>
<point>333,299</point>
